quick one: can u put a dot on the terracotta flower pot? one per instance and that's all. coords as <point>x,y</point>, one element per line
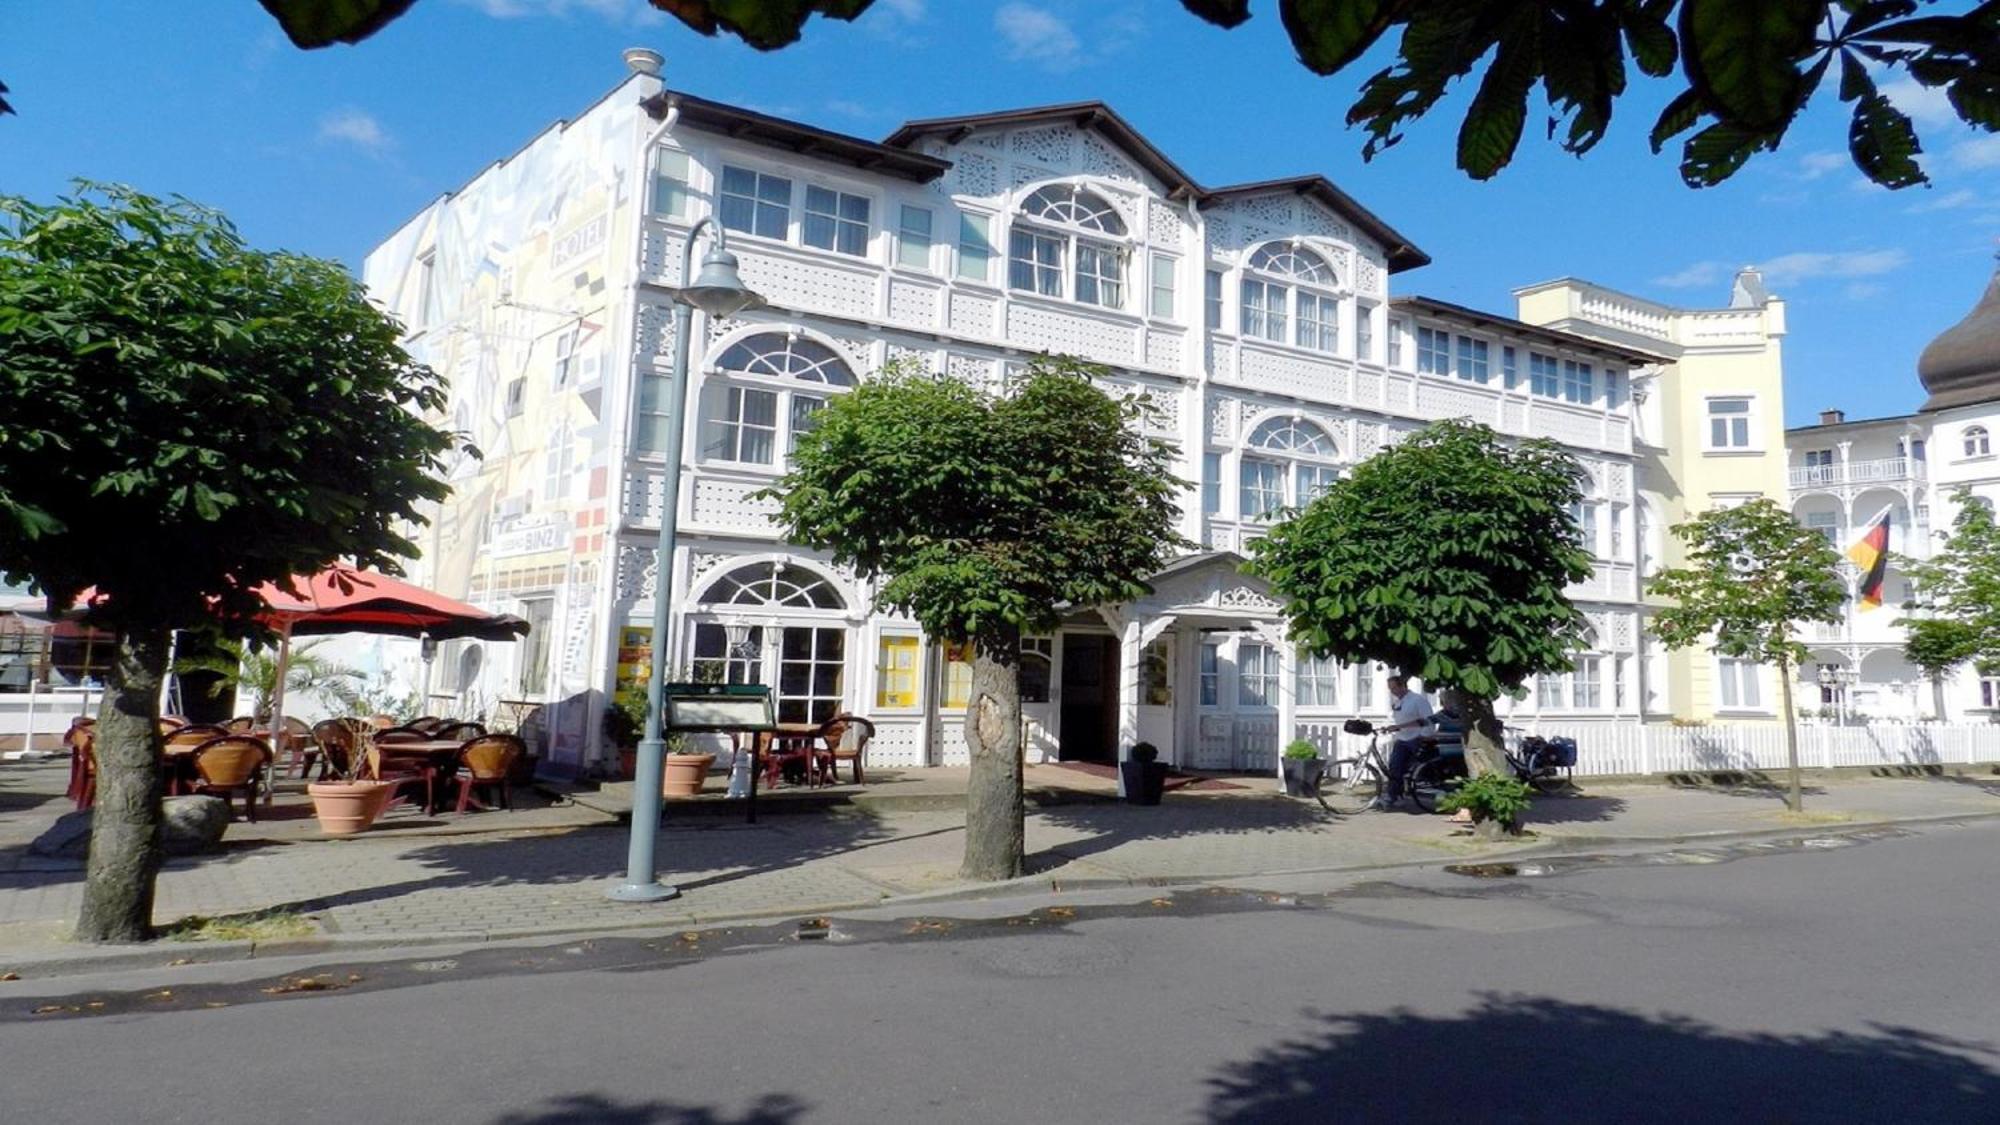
<point>347,807</point>
<point>685,774</point>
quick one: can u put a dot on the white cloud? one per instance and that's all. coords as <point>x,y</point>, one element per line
<point>354,127</point>
<point>1813,165</point>
<point>1690,277</point>
<point>1963,197</point>
<point>1926,105</point>
<point>635,12</point>
<point>1037,35</point>
<point>1791,269</point>
<point>1978,152</point>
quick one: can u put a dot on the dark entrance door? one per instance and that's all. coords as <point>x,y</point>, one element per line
<point>1089,722</point>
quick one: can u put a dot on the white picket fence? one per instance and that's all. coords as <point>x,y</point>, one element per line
<point>1633,748</point>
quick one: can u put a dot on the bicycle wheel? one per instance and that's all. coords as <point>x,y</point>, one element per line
<point>1348,784</point>
<point>1545,776</point>
<point>1428,782</point>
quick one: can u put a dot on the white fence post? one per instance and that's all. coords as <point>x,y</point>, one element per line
<point>1645,749</point>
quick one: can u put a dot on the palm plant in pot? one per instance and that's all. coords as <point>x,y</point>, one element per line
<point>348,802</point>
<point>1302,765</point>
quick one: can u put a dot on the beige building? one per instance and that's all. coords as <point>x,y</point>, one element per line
<point>1710,431</point>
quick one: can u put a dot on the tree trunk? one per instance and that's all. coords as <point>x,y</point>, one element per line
<point>995,831</point>
<point>125,848</point>
<point>1484,753</point>
<point>1796,799</point>
<point>1937,696</point>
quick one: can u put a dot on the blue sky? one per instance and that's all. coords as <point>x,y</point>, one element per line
<point>327,151</point>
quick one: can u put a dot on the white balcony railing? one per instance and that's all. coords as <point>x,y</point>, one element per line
<point>1883,470</point>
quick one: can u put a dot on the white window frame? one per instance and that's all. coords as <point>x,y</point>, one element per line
<point>1364,331</point>
<point>913,246</point>
<point>1433,351</point>
<point>1732,677</point>
<point>1736,424</point>
<point>1162,286</point>
<point>975,244</point>
<point>1211,280</point>
<point>791,370</point>
<point>1318,681</point>
<point>1093,261</point>
<point>843,226</point>
<point>673,183</point>
<point>1977,442</point>
<point>1299,453</point>
<point>760,206</point>
<point>1258,671</point>
<point>1473,360</point>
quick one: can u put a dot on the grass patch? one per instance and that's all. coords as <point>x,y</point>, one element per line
<point>257,925</point>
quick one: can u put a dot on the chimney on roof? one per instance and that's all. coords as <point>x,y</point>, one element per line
<point>644,60</point>
<point>1748,292</point>
<point>1832,417</point>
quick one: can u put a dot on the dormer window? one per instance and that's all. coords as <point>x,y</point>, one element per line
<point>1288,299</point>
<point>1063,246</point>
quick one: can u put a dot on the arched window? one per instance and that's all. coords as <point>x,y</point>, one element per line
<point>768,633</point>
<point>1068,242</point>
<point>1977,442</point>
<point>1287,297</point>
<point>752,406</point>
<point>1288,463</point>
<point>774,585</point>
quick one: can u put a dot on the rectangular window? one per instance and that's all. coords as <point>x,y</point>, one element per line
<point>811,663</point>
<point>1212,290</point>
<point>1396,330</point>
<point>1615,529</point>
<point>1311,480</point>
<point>913,238</point>
<point>739,424</point>
<point>1037,661</point>
<point>1318,682</point>
<point>565,358</point>
<point>1472,360</point>
<point>715,662</point>
<point>670,182</point>
<point>1263,490</point>
<point>1211,483</point>
<point>975,247</point>
<point>1989,690</point>
<point>1614,389</point>
<point>1548,693</point>
<point>1737,681</point>
<point>1729,423</point>
<point>517,397</point>
<point>1100,275</point>
<point>756,203</point>
<point>1586,684</point>
<point>1618,683</point>
<point>1364,687</point>
<point>1510,368</point>
<point>1364,333</point>
<point>1544,375</point>
<point>1819,458</point>
<point>426,288</point>
<point>1211,674</point>
<point>957,675</point>
<point>650,433</point>
<point>896,672</point>
<point>1264,310</point>
<point>836,221</point>
<point>1319,322</point>
<point>1256,676</point>
<point>1827,524</point>
<point>1579,383</point>
<point>1035,262</point>
<point>804,418</point>
<point>1586,522</point>
<point>1163,286</point>
<point>1433,351</point>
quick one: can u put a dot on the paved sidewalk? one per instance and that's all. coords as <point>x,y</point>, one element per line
<point>551,879</point>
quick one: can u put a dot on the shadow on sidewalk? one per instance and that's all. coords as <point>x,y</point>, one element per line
<point>1530,1058</point>
<point>1736,783</point>
<point>1112,825</point>
<point>1574,807</point>
<point>598,1109</point>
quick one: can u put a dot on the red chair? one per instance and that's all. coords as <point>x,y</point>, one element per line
<point>488,761</point>
<point>232,764</point>
<point>844,738</point>
<point>81,740</point>
<point>787,751</point>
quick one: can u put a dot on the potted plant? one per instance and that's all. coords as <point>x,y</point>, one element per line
<point>1144,778</point>
<point>686,770</point>
<point>1302,765</point>
<point>624,722</point>
<point>349,803</point>
<point>1495,802</point>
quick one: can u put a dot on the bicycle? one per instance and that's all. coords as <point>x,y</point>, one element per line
<point>1349,785</point>
<point>1543,763</point>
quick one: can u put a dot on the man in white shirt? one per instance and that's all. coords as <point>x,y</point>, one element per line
<point>1409,719</point>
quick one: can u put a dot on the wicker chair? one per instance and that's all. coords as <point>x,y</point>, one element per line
<point>333,742</point>
<point>429,724</point>
<point>844,738</point>
<point>180,766</point>
<point>466,731</point>
<point>488,761</point>
<point>241,724</point>
<point>171,723</point>
<point>408,732</point>
<point>232,764</point>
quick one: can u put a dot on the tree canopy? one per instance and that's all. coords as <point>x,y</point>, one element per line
<point>1446,556</point>
<point>1957,589</point>
<point>985,516</point>
<point>1743,71</point>
<point>186,419</point>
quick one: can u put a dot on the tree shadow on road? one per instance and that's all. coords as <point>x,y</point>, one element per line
<point>1115,825</point>
<point>1530,1058</point>
<point>598,1109</point>
<point>1733,783</point>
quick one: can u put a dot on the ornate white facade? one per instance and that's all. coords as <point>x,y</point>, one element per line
<point>1259,320</point>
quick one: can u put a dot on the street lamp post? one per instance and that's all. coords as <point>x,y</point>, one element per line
<point>719,292</point>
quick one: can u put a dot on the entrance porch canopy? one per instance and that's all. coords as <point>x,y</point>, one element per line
<point>1206,590</point>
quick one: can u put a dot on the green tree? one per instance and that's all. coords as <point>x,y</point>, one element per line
<point>983,516</point>
<point>1742,71</point>
<point>1445,556</point>
<point>1752,577</point>
<point>187,418</point>
<point>1958,588</point>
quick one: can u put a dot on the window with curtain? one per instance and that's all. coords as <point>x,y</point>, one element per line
<point>766,390</point>
<point>1288,297</point>
<point>1256,675</point>
<point>1288,462</point>
<point>1318,682</point>
<point>1069,241</point>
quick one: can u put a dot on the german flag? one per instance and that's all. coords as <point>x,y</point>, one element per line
<point>1871,554</point>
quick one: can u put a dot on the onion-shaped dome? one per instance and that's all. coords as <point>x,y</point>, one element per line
<point>1962,366</point>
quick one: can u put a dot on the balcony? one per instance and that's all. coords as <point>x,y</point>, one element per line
<point>1883,470</point>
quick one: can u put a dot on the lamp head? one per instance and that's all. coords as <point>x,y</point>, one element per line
<point>717,290</point>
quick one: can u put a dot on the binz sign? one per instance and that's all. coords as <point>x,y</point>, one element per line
<point>531,536</point>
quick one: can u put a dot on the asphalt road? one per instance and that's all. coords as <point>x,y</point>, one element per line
<point>1851,980</point>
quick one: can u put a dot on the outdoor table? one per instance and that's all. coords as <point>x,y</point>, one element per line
<point>760,744</point>
<point>440,753</point>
